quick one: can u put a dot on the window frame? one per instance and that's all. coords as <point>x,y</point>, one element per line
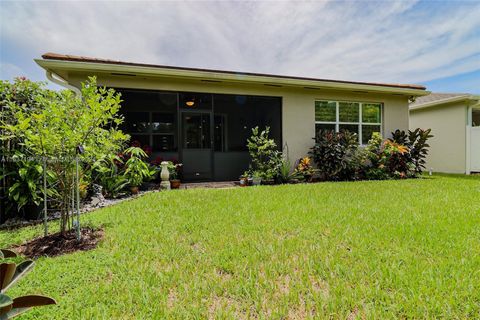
<point>360,122</point>
<point>150,133</point>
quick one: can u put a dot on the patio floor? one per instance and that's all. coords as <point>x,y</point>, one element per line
<point>210,184</point>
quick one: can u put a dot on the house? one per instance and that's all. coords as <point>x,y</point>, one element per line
<point>203,117</point>
<point>455,122</point>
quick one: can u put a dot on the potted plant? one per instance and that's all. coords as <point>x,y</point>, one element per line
<point>243,181</point>
<point>136,170</point>
<point>173,169</point>
<point>256,178</point>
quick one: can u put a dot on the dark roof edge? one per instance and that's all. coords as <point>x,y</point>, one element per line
<point>55,56</point>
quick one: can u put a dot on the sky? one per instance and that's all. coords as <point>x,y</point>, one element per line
<point>435,43</point>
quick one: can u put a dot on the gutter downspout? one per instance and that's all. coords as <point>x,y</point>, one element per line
<point>468,140</point>
<point>55,78</point>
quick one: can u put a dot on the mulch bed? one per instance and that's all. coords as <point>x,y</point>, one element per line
<point>57,244</point>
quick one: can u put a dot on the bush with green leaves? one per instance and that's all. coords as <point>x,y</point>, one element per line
<point>387,159</point>
<point>25,179</point>
<point>108,173</point>
<point>136,169</point>
<point>401,156</point>
<point>10,273</point>
<point>55,124</point>
<point>416,142</point>
<point>266,159</point>
<point>336,155</point>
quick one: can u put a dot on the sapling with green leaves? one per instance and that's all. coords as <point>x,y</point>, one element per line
<point>59,122</point>
<point>137,170</point>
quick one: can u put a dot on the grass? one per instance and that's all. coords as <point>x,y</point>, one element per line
<point>383,249</point>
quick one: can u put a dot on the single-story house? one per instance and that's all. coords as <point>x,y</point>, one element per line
<point>455,122</point>
<point>203,117</point>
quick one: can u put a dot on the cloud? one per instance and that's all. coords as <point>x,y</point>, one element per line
<point>9,71</point>
<point>395,41</point>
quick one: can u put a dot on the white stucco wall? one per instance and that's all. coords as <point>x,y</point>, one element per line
<point>448,146</point>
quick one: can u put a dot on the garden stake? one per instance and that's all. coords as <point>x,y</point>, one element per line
<point>45,224</point>
<point>77,186</point>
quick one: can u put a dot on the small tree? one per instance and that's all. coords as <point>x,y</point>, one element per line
<point>60,123</point>
<point>266,160</point>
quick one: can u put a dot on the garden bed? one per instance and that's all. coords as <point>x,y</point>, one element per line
<point>57,244</point>
<point>89,206</point>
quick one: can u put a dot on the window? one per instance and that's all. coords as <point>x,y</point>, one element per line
<point>476,118</point>
<point>151,118</point>
<point>358,117</point>
<point>156,129</point>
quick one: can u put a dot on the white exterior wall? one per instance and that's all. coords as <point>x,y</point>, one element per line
<point>448,146</point>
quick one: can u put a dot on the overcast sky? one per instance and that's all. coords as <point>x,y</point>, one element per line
<point>433,43</point>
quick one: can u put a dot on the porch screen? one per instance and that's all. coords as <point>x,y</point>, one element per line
<point>234,118</point>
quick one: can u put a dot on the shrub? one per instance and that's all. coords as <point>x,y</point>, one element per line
<point>304,169</point>
<point>284,172</point>
<point>266,160</point>
<point>108,172</point>
<point>402,156</point>
<point>416,141</point>
<point>56,125</point>
<point>136,170</point>
<point>336,155</point>
<point>174,170</point>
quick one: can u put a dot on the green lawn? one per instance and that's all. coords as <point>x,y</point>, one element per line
<point>386,249</point>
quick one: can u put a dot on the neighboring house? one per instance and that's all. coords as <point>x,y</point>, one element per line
<point>455,122</point>
<point>203,117</point>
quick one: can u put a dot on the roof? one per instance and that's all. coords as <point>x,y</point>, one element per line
<point>436,99</point>
<point>412,89</point>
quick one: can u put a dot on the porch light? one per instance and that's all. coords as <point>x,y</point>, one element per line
<point>190,103</point>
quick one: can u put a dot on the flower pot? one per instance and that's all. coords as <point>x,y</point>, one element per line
<point>243,182</point>
<point>175,184</point>
<point>134,190</point>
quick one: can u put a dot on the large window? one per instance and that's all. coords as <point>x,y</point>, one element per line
<point>358,117</point>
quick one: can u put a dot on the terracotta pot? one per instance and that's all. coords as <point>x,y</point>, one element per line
<point>243,182</point>
<point>134,190</point>
<point>175,184</point>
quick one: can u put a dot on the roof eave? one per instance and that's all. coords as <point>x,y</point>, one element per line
<point>52,65</point>
<point>467,97</point>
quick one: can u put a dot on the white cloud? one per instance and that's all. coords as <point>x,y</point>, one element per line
<point>370,41</point>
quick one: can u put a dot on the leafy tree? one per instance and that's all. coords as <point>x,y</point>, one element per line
<point>55,124</point>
